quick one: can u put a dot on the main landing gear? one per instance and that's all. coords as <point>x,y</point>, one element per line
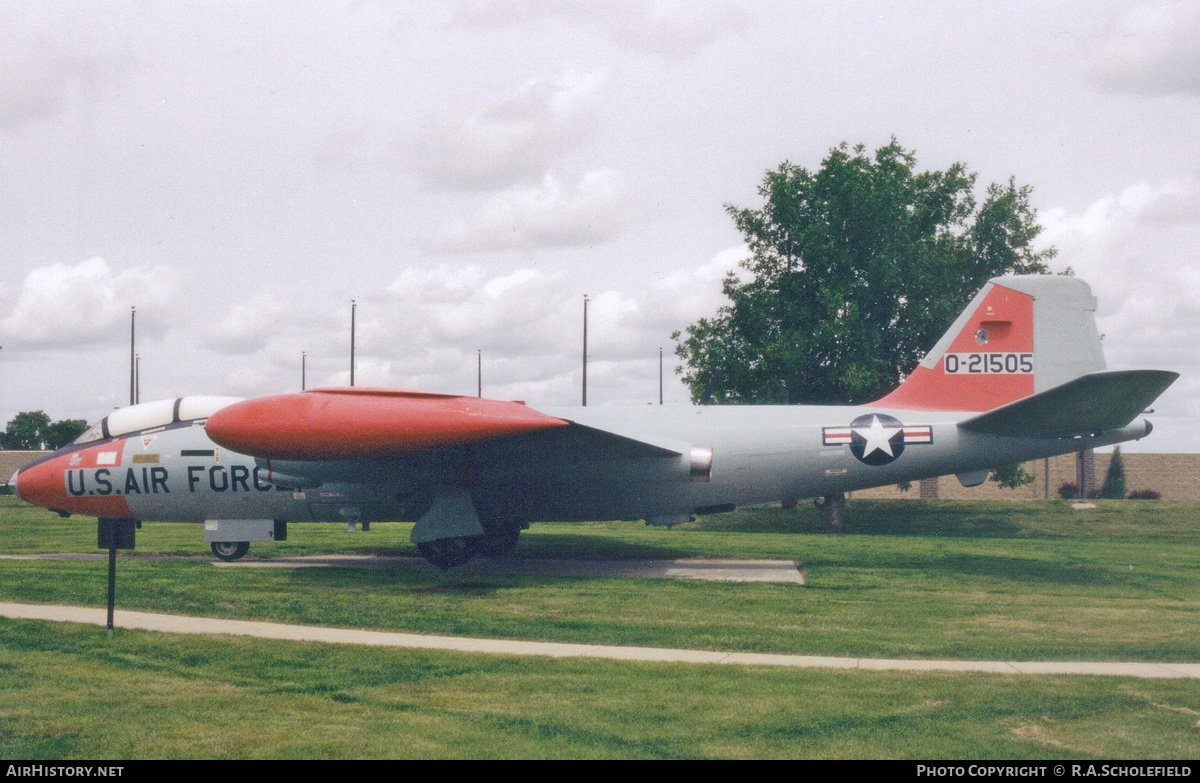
<point>499,540</point>
<point>447,553</point>
<point>230,550</point>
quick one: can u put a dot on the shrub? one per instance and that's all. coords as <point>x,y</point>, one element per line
<point>1012,476</point>
<point>1068,491</point>
<point>1114,480</point>
<point>1144,494</point>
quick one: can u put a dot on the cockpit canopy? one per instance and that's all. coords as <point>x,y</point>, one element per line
<point>149,415</point>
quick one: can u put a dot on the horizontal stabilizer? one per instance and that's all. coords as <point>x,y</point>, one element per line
<point>1090,403</point>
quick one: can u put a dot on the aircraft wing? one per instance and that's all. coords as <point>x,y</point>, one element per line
<point>600,444</point>
<point>1088,404</point>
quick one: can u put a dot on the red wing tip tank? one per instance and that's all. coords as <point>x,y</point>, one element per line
<point>354,423</point>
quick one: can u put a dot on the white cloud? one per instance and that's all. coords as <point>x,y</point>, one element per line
<point>513,138</point>
<point>1116,242</point>
<point>1139,252</point>
<point>248,326</point>
<point>675,29</point>
<point>1111,218</point>
<point>1154,50</point>
<point>593,209</point>
<point>666,27</point>
<point>369,372</point>
<point>423,330</point>
<point>37,80</point>
<point>246,380</point>
<point>65,306</point>
<point>462,308</point>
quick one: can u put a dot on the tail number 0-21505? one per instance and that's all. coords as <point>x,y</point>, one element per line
<point>989,363</point>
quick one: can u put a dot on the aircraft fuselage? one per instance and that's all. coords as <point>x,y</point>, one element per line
<point>760,454</point>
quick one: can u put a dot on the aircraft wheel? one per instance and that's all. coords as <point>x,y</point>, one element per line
<point>499,542</point>
<point>230,550</point>
<point>447,553</point>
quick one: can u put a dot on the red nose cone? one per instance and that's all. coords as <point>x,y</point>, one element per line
<point>42,485</point>
<point>359,423</point>
<point>46,483</point>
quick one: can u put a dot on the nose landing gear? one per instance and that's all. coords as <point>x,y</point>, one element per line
<point>230,550</point>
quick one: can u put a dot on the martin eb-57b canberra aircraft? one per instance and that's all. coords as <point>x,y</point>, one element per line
<point>1019,375</point>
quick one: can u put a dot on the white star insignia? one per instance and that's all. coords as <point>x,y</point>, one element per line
<point>877,437</point>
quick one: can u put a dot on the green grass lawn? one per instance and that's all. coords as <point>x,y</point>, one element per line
<point>68,692</point>
<point>1026,581</point>
<point>924,580</point>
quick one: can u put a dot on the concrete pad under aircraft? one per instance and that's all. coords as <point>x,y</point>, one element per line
<point>692,568</point>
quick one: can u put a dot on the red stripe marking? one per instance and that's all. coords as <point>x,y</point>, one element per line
<point>1007,316</point>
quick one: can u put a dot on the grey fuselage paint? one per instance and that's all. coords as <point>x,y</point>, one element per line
<point>760,454</point>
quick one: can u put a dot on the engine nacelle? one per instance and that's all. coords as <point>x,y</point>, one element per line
<point>700,460</point>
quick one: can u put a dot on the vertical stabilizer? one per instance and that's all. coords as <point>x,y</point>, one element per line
<point>1020,335</point>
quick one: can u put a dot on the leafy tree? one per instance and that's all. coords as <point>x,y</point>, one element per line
<point>1012,476</point>
<point>1114,480</point>
<point>26,430</point>
<point>855,270</point>
<point>60,433</point>
<point>32,430</point>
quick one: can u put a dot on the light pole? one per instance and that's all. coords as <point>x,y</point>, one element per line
<point>660,375</point>
<point>303,369</point>
<point>479,370</point>
<point>353,308</point>
<point>585,308</point>
<point>132,355</point>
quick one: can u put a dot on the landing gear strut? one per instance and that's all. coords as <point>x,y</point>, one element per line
<point>230,550</point>
<point>500,540</point>
<point>835,509</point>
<point>446,553</point>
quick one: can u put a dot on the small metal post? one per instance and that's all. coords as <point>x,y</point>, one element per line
<point>112,580</point>
<point>1081,477</point>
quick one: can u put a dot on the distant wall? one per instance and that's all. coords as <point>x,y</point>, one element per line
<point>11,461</point>
<point>1174,476</point>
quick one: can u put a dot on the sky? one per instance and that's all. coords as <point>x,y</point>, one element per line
<point>467,171</point>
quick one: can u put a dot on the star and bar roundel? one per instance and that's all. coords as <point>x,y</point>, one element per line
<point>876,438</point>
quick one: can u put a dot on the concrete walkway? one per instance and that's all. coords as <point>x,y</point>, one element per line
<point>688,568</point>
<point>305,633</point>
